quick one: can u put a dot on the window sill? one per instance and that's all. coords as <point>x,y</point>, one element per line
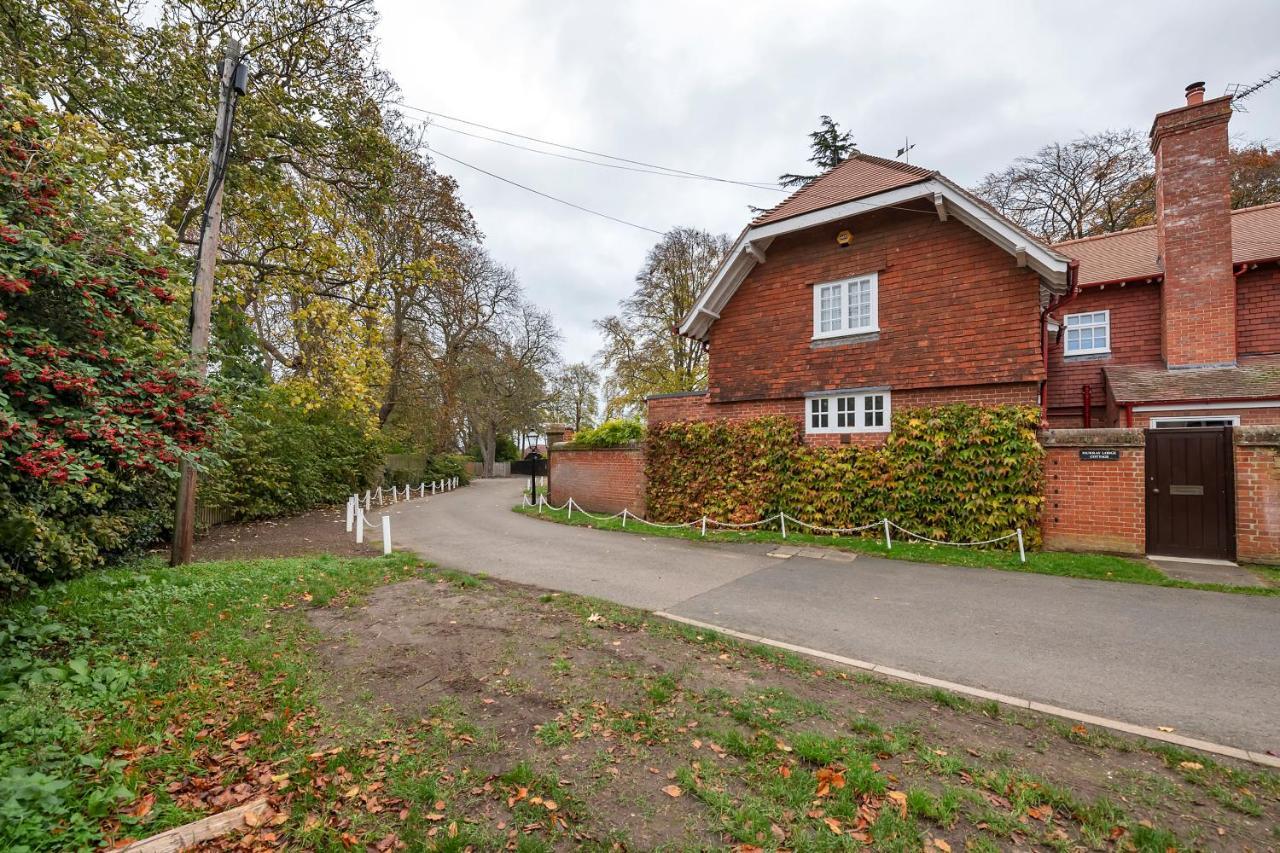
<point>847,431</point>
<point>840,340</point>
<point>1086,356</point>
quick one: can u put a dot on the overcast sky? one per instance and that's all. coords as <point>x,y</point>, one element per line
<point>733,88</point>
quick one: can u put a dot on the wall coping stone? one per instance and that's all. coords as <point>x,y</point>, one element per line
<point>1256,436</point>
<point>673,394</point>
<point>1093,438</point>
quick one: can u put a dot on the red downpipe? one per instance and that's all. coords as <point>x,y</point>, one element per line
<point>1128,415</point>
<point>1086,401</point>
<point>1073,290</point>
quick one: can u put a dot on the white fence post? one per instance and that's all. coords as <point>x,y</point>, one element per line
<point>704,525</point>
<point>570,507</point>
<point>541,501</point>
<point>888,540</point>
<point>624,518</point>
<point>433,488</point>
<point>1022,551</point>
<point>360,527</point>
<point>366,499</point>
<point>386,534</point>
<point>783,516</point>
<point>351,511</point>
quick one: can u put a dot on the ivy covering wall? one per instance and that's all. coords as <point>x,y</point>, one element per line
<point>955,472</point>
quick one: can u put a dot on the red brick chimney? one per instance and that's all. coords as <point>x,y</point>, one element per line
<point>1193,227</point>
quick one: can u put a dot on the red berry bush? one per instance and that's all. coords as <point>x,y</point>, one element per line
<point>96,406</point>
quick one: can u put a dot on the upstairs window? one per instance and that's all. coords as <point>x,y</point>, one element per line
<point>1088,334</point>
<point>847,307</point>
<point>862,411</point>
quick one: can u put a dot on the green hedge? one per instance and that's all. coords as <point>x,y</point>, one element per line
<point>613,433</point>
<point>956,472</point>
<point>284,459</point>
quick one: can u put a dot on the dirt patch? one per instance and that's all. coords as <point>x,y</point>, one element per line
<point>322,531</point>
<point>613,708</point>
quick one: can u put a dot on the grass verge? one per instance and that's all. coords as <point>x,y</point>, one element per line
<point>452,712</point>
<point>1103,567</point>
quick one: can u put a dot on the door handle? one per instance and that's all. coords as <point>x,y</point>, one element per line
<point>1155,491</point>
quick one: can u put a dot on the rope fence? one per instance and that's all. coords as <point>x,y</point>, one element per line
<point>885,525</point>
<point>358,505</point>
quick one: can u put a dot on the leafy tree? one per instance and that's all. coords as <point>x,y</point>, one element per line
<point>1105,182</point>
<point>643,352</point>
<point>96,406</point>
<point>828,147</point>
<point>574,398</point>
<point>1255,175</point>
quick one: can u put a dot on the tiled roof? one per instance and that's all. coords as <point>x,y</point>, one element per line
<point>860,176</point>
<point>1129,255</point>
<point>1255,378</point>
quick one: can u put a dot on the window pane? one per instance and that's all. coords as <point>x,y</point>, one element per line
<point>873,410</point>
<point>860,305</point>
<point>829,308</point>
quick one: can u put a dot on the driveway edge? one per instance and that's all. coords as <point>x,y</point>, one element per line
<point>977,692</point>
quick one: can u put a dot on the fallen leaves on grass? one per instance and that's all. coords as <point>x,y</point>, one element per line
<point>673,791</point>
<point>899,799</point>
<point>828,778</point>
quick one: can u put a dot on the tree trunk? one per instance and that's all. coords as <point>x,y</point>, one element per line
<point>488,439</point>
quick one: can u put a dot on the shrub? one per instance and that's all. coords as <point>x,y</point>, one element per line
<point>612,433</point>
<point>956,472</point>
<point>97,407</point>
<point>422,468</point>
<point>283,459</point>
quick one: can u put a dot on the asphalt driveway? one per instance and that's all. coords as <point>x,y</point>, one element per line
<point>1206,664</point>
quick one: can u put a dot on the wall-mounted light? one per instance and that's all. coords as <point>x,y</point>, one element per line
<point>844,239</point>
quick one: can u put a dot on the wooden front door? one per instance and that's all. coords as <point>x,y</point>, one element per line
<point>1191,493</point>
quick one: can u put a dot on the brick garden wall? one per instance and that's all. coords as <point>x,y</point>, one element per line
<point>599,480</point>
<point>1257,456</point>
<point>1094,506</point>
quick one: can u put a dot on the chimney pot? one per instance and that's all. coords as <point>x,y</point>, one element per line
<point>1195,94</point>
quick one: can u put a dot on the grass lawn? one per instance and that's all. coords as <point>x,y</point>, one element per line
<point>1093,566</point>
<point>380,703</point>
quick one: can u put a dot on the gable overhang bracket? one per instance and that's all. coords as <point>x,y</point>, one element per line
<point>1020,255</point>
<point>940,204</point>
<point>756,253</point>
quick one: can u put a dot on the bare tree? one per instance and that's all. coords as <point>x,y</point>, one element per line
<point>643,351</point>
<point>503,380</point>
<point>1097,183</point>
<point>574,396</point>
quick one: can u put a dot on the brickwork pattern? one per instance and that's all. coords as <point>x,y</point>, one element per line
<point>1258,311</point>
<point>1193,227</point>
<point>696,408</point>
<point>954,309</point>
<point>1258,502</point>
<point>599,480</point>
<point>1096,506</point>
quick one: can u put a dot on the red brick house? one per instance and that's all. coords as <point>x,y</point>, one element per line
<point>884,285</point>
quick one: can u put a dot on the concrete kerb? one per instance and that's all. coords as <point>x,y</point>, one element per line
<point>978,693</point>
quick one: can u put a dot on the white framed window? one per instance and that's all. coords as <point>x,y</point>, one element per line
<point>1183,423</point>
<point>1087,334</point>
<point>847,307</point>
<point>849,411</point>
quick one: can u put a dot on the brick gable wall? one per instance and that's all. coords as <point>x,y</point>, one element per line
<point>954,310</point>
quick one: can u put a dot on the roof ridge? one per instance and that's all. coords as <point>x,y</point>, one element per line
<point>1102,236</point>
<point>1255,207</point>
<point>916,173</point>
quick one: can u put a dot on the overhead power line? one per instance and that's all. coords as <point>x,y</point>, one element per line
<point>439,153</point>
<point>622,166</point>
<point>759,185</point>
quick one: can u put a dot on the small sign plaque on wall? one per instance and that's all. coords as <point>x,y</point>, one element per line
<point>1097,455</point>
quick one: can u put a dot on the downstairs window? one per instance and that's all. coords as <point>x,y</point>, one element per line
<point>849,411</point>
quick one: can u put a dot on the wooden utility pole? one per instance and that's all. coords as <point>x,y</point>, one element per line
<point>202,293</point>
